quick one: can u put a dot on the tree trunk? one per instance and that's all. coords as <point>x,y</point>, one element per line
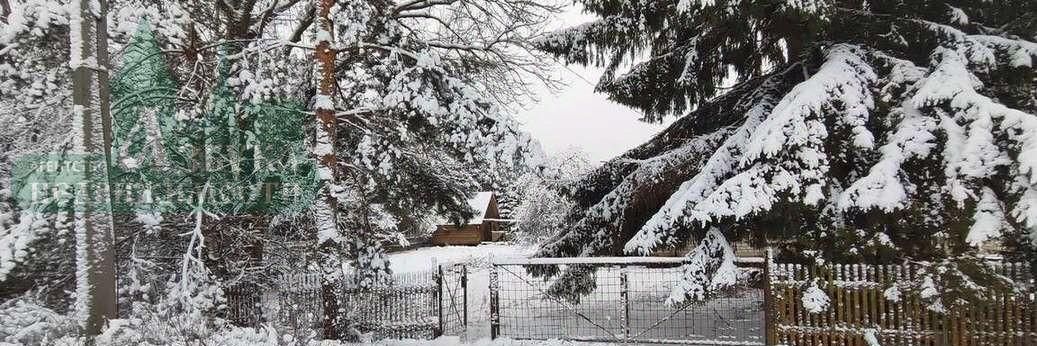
<point>325,215</point>
<point>107,283</point>
<point>5,10</point>
<point>95,272</point>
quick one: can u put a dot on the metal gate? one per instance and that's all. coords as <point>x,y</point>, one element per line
<point>625,304</point>
<point>453,300</point>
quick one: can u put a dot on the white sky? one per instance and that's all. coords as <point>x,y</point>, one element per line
<point>577,117</point>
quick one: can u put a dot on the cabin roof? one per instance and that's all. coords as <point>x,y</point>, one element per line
<point>480,203</point>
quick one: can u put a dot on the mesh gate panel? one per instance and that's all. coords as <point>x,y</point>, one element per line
<point>626,304</point>
<point>454,299</point>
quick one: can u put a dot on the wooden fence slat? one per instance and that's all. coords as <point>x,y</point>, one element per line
<point>798,292</point>
<point>880,304</point>
<point>913,315</point>
<point>811,317</point>
<point>829,325</point>
<point>790,304</point>
<point>1028,307</point>
<point>847,303</point>
<point>862,318</point>
<point>1010,316</point>
<point>855,303</point>
<point>869,297</point>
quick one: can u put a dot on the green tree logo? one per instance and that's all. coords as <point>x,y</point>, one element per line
<point>251,156</point>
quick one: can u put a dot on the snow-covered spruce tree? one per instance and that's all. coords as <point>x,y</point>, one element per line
<point>909,135</point>
<point>35,79</point>
<point>396,166</point>
<point>35,94</point>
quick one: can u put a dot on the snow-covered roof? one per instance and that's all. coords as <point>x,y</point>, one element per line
<point>480,203</point>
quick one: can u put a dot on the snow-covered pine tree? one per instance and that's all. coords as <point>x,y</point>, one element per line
<point>424,127</point>
<point>908,135</point>
<point>326,205</point>
<point>35,94</point>
<point>414,112</point>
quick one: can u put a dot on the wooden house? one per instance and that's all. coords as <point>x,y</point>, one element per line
<point>484,226</point>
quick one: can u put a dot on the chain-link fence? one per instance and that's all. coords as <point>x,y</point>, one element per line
<point>627,304</point>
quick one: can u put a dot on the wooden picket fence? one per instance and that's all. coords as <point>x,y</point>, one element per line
<point>859,310</point>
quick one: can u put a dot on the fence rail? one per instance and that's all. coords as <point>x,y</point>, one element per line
<point>859,309</point>
<point>614,261</point>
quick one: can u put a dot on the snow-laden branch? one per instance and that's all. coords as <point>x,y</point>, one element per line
<point>193,254</point>
<point>710,268</point>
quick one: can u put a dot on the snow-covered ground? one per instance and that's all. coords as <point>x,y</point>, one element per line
<point>423,259</point>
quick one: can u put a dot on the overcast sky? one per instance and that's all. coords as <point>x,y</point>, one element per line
<point>577,117</point>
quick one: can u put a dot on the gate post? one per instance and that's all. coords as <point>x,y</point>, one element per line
<point>769,333</point>
<point>464,297</point>
<point>624,300</point>
<point>494,303</point>
<point>439,298</point>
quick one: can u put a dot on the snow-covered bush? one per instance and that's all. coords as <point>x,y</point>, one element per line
<point>814,299</point>
<point>25,322</point>
<point>262,336</point>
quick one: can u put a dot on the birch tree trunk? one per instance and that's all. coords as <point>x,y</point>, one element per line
<point>95,270</point>
<point>325,213</point>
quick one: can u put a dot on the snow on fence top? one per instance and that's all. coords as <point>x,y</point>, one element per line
<point>610,260</point>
